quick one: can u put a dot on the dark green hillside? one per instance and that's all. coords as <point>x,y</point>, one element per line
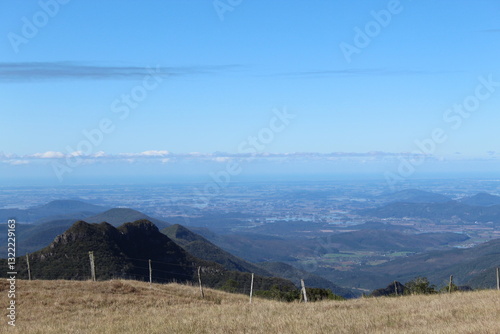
<point>124,252</point>
<point>119,216</point>
<point>121,252</point>
<point>202,248</point>
<point>485,279</point>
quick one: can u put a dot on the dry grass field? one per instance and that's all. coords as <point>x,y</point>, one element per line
<point>133,307</point>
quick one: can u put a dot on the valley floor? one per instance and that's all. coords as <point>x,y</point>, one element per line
<point>133,307</point>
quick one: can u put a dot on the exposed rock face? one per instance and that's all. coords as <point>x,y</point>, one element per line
<point>140,227</point>
<point>119,252</point>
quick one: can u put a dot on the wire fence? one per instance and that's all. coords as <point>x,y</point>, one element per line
<point>101,267</point>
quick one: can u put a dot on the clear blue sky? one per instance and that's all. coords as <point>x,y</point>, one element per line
<point>222,72</point>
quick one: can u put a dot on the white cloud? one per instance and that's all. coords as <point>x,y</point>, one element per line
<point>99,154</point>
<point>76,154</point>
<point>48,155</point>
<point>221,159</point>
<point>164,157</point>
<point>154,153</point>
<point>146,154</point>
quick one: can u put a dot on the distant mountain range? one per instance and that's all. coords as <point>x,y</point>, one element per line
<point>484,209</point>
<point>414,196</point>
<point>481,199</point>
<point>55,210</point>
<point>38,236</point>
<point>387,240</point>
<point>59,248</point>
<point>118,216</point>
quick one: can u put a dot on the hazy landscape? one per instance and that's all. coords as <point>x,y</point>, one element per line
<point>233,166</point>
<point>353,235</point>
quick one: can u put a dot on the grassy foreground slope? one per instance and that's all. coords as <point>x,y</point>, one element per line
<point>133,307</point>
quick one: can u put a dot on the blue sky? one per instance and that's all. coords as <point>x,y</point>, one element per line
<point>224,72</point>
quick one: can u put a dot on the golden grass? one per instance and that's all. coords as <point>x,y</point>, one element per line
<point>132,307</point>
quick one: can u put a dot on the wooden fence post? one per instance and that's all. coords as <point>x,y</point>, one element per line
<point>303,290</point>
<point>396,288</point>
<point>251,289</point>
<point>150,274</point>
<point>92,265</point>
<point>199,280</point>
<point>498,278</point>
<point>451,283</point>
<point>28,262</point>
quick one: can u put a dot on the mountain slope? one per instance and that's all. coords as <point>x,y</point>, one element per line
<point>260,247</point>
<point>124,252</point>
<point>116,252</point>
<point>200,247</point>
<point>204,249</point>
